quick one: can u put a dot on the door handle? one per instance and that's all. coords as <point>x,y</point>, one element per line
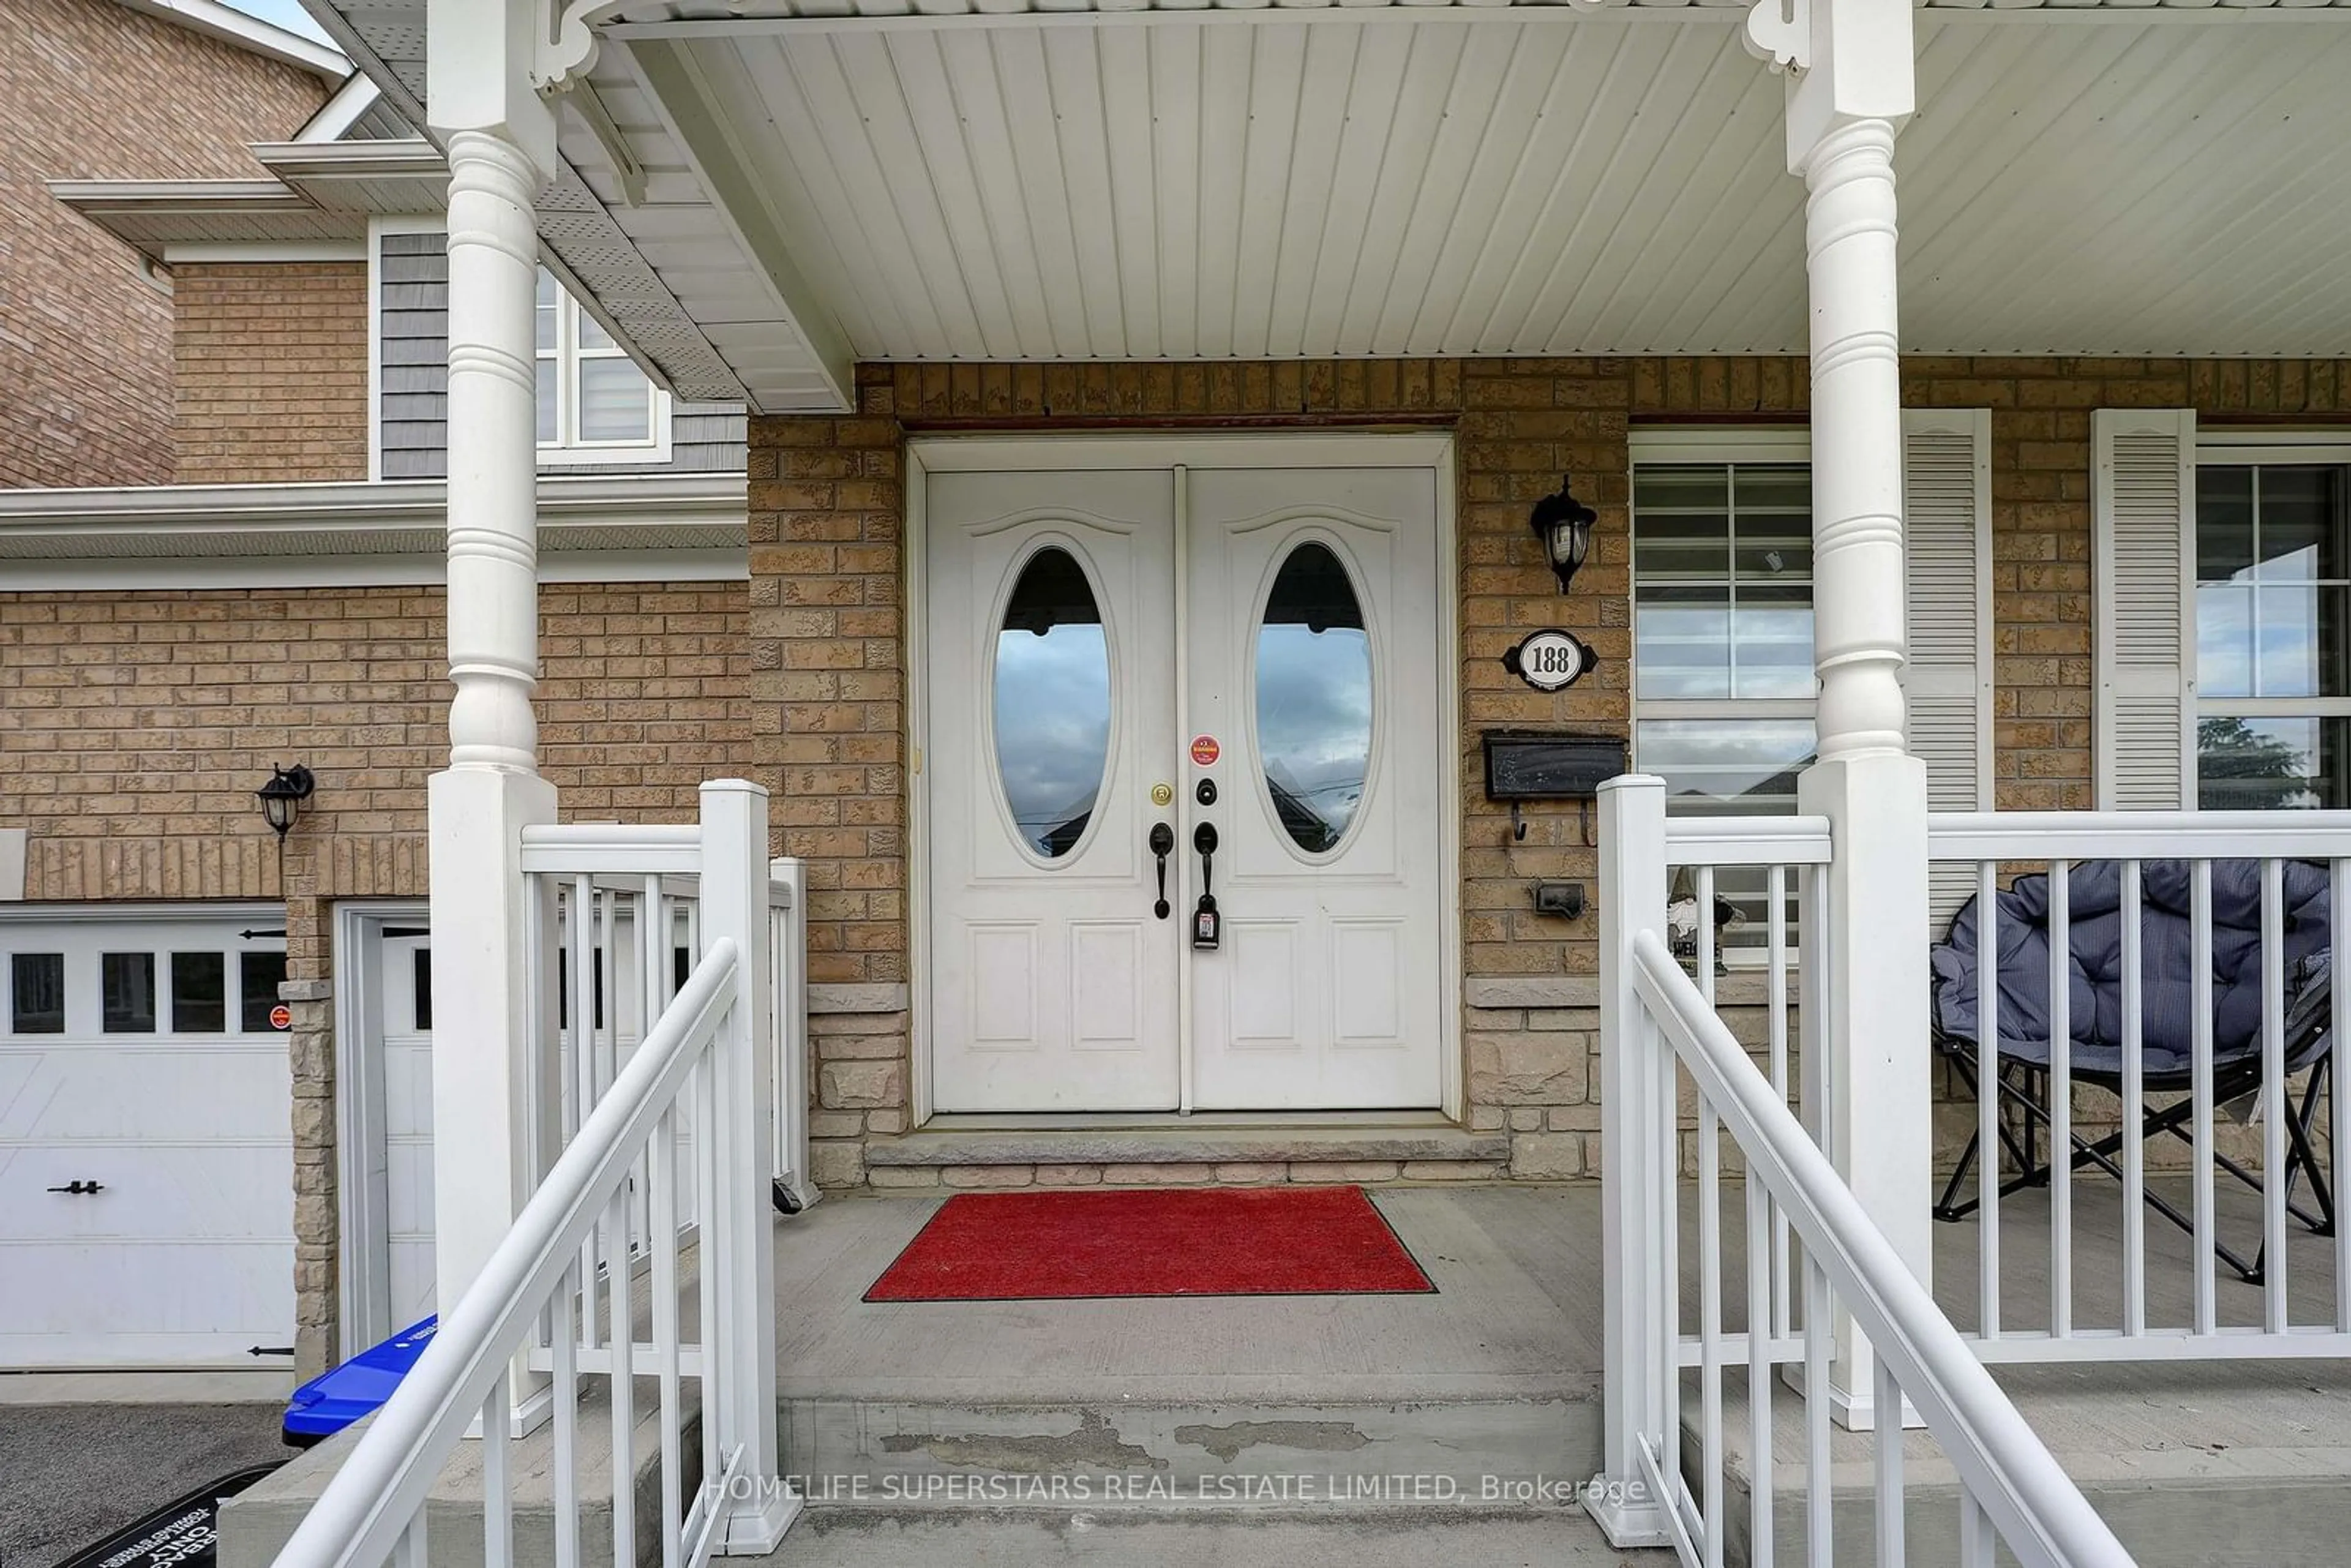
<point>79,1188</point>
<point>1163,841</point>
<point>1206,924</point>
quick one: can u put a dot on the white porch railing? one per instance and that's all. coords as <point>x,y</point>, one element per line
<point>2228,1270</point>
<point>647,1251</point>
<point>1802,1228</point>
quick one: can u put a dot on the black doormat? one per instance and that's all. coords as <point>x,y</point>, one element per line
<point>183,1533</point>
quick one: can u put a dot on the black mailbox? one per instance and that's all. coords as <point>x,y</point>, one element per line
<point>1533,765</point>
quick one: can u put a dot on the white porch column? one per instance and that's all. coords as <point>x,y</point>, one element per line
<point>501,144</point>
<point>1850,87</point>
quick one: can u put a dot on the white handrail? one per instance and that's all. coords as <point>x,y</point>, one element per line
<point>2006,1469</point>
<point>1746,841</point>
<point>2138,835</point>
<point>381,1487</point>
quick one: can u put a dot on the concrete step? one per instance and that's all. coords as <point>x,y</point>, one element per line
<point>2192,1465</point>
<point>1264,1454</point>
<point>1393,1538</point>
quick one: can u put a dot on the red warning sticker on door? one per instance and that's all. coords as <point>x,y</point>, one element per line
<point>281,1017</point>
<point>1205,750</point>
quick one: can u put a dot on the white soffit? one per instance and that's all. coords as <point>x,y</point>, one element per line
<point>1424,179</point>
<point>1451,185</point>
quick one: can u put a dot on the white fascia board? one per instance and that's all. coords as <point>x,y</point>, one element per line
<point>198,520</point>
<point>97,197</point>
<point>294,162</point>
<point>178,251</point>
<point>411,568</point>
<point>336,117</point>
<point>251,33</point>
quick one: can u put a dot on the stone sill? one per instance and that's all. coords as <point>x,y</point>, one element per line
<point>1185,1145</point>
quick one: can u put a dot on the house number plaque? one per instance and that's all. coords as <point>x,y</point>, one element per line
<point>1550,660</point>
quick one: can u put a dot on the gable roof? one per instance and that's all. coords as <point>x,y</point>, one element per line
<point>250,33</point>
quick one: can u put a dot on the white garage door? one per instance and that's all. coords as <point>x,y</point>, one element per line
<point>146,1166</point>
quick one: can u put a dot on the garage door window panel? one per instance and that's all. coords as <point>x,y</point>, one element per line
<point>199,993</point>
<point>126,986</point>
<point>259,976</point>
<point>37,993</point>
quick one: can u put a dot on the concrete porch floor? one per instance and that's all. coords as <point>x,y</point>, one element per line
<point>1498,1374</point>
<point>1452,1426</point>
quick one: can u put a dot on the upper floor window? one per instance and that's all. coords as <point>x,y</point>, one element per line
<point>2272,629</point>
<point>595,405</point>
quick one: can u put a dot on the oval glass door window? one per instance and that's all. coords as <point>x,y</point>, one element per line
<point>1313,697</point>
<point>1052,703</point>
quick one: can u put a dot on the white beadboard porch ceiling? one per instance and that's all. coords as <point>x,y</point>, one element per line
<point>1567,184</point>
<point>1424,180</point>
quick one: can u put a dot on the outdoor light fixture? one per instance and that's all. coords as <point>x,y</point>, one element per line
<point>1564,526</point>
<point>281,799</point>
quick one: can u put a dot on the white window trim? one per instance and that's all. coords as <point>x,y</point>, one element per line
<point>566,358</point>
<point>2251,449</point>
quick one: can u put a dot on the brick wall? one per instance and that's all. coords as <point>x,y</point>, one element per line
<point>97,90</point>
<point>270,371</point>
<point>829,681</point>
<point>136,727</point>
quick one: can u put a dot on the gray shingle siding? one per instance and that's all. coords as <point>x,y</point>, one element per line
<point>705,437</point>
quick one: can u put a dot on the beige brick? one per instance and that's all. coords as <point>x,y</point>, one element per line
<point>1252,1172</point>
<point>1185,1174</point>
<point>1546,1156</point>
<point>1342,1170</point>
<point>1069,1175</point>
<point>903,1175</point>
<point>989,1175</point>
<point>837,1165</point>
<point>861,1083</point>
<point>1455,1170</point>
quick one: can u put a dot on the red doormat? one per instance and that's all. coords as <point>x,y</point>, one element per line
<point>1181,1241</point>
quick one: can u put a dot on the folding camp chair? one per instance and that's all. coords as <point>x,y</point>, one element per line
<point>2094,992</point>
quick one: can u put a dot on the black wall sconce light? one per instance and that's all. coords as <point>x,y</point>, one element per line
<point>282,798</point>
<point>1563,524</point>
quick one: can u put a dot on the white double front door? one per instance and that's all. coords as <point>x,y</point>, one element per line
<point>1130,659</point>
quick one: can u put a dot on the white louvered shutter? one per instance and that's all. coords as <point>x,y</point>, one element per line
<point>2144,491</point>
<point>1947,560</point>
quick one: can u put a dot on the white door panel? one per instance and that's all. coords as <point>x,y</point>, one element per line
<point>1313,645</point>
<point>1050,652</point>
<point>177,1100</point>
<point>1308,652</point>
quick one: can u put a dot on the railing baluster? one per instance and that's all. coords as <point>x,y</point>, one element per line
<point>2199,1011</point>
<point>497,1493</point>
<point>662,1201</point>
<point>2134,1109</point>
<point>564,1391</point>
<point>2338,1114</point>
<point>1820,1495</point>
<point>1887,1444</point>
<point>705,1200</point>
<point>1709,1326</point>
<point>1976,1540</point>
<point>412,1553</point>
<point>1702,881</point>
<point>582,943</point>
<point>1988,1144</point>
<point>2276,1103</point>
<point>1777,885</point>
<point>2061,1101</point>
<point>1760,1286</point>
<point>623,1389</point>
<point>1668,1294</point>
